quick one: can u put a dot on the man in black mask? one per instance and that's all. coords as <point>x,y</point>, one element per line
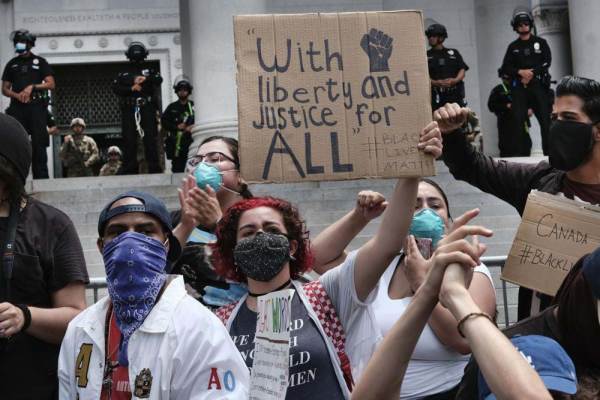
<point>137,87</point>
<point>574,158</point>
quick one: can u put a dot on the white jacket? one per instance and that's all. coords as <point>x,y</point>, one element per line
<point>184,347</point>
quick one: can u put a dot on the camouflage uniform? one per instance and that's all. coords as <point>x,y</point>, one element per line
<point>110,168</point>
<point>79,156</point>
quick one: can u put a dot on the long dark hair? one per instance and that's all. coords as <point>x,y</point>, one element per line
<point>578,318</point>
<point>441,191</point>
<point>233,146</point>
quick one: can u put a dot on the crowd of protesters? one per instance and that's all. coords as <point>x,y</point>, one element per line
<point>410,314</point>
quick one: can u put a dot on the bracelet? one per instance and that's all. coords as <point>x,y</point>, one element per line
<point>26,316</point>
<point>469,316</point>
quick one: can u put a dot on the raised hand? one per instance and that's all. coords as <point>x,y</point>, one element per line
<point>198,207</point>
<point>430,140</point>
<point>450,117</point>
<point>370,204</point>
<point>378,47</point>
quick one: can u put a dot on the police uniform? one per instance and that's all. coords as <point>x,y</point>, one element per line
<point>530,54</point>
<point>178,142</point>
<point>513,139</point>
<point>79,155</point>
<point>143,104</point>
<point>444,64</point>
<point>22,71</point>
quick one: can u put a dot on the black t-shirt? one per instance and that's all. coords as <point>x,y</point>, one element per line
<point>23,71</point>
<point>527,54</point>
<point>544,324</point>
<point>48,256</point>
<point>311,373</point>
<point>445,63</point>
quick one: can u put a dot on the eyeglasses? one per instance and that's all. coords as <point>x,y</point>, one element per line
<point>213,157</point>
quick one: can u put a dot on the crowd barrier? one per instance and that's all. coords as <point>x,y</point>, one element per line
<point>99,283</point>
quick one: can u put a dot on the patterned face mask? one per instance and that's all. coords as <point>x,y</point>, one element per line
<point>135,274</point>
<point>263,256</point>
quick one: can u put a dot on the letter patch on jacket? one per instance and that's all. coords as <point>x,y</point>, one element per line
<point>215,382</point>
<point>143,384</point>
<point>82,364</point>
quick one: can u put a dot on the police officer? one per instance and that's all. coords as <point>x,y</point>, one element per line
<point>79,152</point>
<point>446,69</point>
<point>513,139</point>
<point>526,63</point>
<point>178,120</point>
<point>137,87</point>
<point>26,79</point>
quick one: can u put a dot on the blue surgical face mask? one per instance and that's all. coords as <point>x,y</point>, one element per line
<point>208,174</point>
<point>21,47</point>
<point>135,274</point>
<point>427,223</point>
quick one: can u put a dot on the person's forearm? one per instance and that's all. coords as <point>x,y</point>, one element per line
<point>330,244</point>
<point>443,324</point>
<point>182,232</point>
<point>382,379</point>
<point>459,77</point>
<point>375,256</point>
<point>506,372</point>
<point>44,86</point>
<point>50,324</point>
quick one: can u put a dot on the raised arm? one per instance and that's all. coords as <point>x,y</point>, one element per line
<point>374,256</point>
<point>384,374</point>
<point>329,245</point>
<point>506,372</point>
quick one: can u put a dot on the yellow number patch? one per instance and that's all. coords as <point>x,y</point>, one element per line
<point>82,364</point>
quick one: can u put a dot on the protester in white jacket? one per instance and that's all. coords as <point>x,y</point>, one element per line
<point>148,339</point>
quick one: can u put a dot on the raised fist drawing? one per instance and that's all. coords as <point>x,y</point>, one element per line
<point>378,47</point>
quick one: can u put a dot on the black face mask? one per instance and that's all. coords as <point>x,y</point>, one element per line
<point>262,257</point>
<point>570,142</point>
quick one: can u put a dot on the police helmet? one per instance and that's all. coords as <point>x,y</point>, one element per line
<point>23,36</point>
<point>436,30</point>
<point>183,84</point>
<point>136,51</point>
<point>519,17</point>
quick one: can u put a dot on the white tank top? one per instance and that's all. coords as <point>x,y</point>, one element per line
<point>434,368</point>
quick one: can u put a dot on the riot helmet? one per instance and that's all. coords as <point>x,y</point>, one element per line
<point>183,83</point>
<point>521,16</point>
<point>136,52</point>
<point>436,30</point>
<point>22,36</point>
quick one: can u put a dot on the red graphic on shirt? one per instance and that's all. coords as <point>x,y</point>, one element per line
<point>116,381</point>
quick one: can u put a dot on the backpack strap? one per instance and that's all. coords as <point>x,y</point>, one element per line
<point>321,304</point>
<point>224,312</point>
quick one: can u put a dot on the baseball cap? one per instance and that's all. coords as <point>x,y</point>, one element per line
<point>591,271</point>
<point>548,358</point>
<point>151,205</point>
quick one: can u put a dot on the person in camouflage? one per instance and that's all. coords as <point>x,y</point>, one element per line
<point>114,162</point>
<point>79,151</point>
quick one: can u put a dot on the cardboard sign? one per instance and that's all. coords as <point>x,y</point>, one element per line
<point>332,96</point>
<point>554,233</point>
<point>271,366</point>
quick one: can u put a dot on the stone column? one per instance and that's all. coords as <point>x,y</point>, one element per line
<point>552,23</point>
<point>585,37</point>
<point>207,38</point>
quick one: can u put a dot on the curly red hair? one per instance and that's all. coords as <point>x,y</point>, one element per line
<point>222,250</point>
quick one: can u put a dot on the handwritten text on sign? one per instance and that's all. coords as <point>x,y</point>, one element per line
<point>554,234</point>
<point>330,96</point>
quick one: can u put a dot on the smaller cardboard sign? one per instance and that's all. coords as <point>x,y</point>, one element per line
<point>554,233</point>
<point>271,366</point>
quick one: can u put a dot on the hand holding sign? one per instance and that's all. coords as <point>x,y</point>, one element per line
<point>378,47</point>
<point>450,117</point>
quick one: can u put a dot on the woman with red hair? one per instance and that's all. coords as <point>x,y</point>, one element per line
<point>264,242</point>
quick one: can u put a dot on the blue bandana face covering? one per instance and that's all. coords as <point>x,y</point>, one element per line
<point>208,174</point>
<point>135,273</point>
<point>427,223</point>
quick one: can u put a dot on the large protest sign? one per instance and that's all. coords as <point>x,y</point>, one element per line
<point>554,233</point>
<point>270,369</point>
<point>332,96</point>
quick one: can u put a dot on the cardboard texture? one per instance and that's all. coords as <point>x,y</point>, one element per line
<point>554,233</point>
<point>332,96</point>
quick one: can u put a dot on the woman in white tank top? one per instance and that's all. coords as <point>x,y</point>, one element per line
<point>437,364</point>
